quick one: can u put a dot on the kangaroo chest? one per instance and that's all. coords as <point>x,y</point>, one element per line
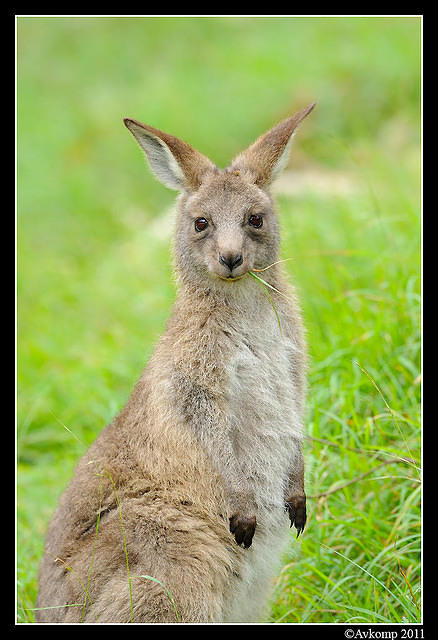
<point>263,416</point>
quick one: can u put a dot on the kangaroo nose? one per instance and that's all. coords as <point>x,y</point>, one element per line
<point>231,260</point>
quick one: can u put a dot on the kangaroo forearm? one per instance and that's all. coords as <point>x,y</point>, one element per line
<point>224,460</point>
<point>208,420</point>
<point>296,473</point>
<point>296,497</point>
<point>219,448</point>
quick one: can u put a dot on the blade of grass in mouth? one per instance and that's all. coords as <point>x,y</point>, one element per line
<point>267,284</point>
<point>271,265</point>
<point>268,295</point>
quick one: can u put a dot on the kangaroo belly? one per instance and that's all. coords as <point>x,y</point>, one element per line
<point>265,422</point>
<point>266,431</point>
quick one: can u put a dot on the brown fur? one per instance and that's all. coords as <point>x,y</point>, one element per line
<point>195,474</point>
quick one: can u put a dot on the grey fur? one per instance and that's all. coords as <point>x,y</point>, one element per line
<point>204,463</point>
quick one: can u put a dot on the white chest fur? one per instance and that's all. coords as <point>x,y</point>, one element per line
<point>266,431</point>
<point>265,425</point>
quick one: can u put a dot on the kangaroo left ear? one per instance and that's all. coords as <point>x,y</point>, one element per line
<point>174,162</point>
<point>264,160</point>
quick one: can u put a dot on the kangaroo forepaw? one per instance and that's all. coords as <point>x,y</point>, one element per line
<point>243,529</point>
<point>296,507</point>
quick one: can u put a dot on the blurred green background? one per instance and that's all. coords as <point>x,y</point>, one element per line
<point>95,281</point>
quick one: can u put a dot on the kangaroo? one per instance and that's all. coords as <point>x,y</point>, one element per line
<point>179,510</point>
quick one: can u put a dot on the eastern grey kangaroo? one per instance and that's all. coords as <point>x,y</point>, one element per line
<point>179,511</point>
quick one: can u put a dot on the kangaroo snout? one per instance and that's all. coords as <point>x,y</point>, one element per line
<point>231,260</point>
<point>229,263</point>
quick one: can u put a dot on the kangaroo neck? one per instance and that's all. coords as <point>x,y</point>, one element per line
<point>238,298</point>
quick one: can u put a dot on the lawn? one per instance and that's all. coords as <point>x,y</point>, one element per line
<point>95,281</point>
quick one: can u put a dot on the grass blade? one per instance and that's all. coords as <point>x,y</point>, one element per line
<point>167,592</point>
<point>263,283</point>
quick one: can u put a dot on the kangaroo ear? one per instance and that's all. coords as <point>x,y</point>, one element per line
<point>174,162</point>
<point>263,161</point>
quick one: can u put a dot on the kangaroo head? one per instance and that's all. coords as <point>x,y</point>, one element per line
<point>226,223</point>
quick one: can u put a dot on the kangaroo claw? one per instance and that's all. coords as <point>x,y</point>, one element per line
<point>243,529</point>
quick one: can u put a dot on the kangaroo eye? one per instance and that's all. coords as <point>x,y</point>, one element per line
<point>201,224</point>
<point>255,221</point>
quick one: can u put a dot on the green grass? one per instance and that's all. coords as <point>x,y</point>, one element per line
<point>95,283</point>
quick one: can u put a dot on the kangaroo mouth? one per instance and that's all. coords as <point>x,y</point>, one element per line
<point>231,278</point>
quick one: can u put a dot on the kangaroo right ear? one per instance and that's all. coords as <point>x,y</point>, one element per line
<point>263,161</point>
<point>175,163</point>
